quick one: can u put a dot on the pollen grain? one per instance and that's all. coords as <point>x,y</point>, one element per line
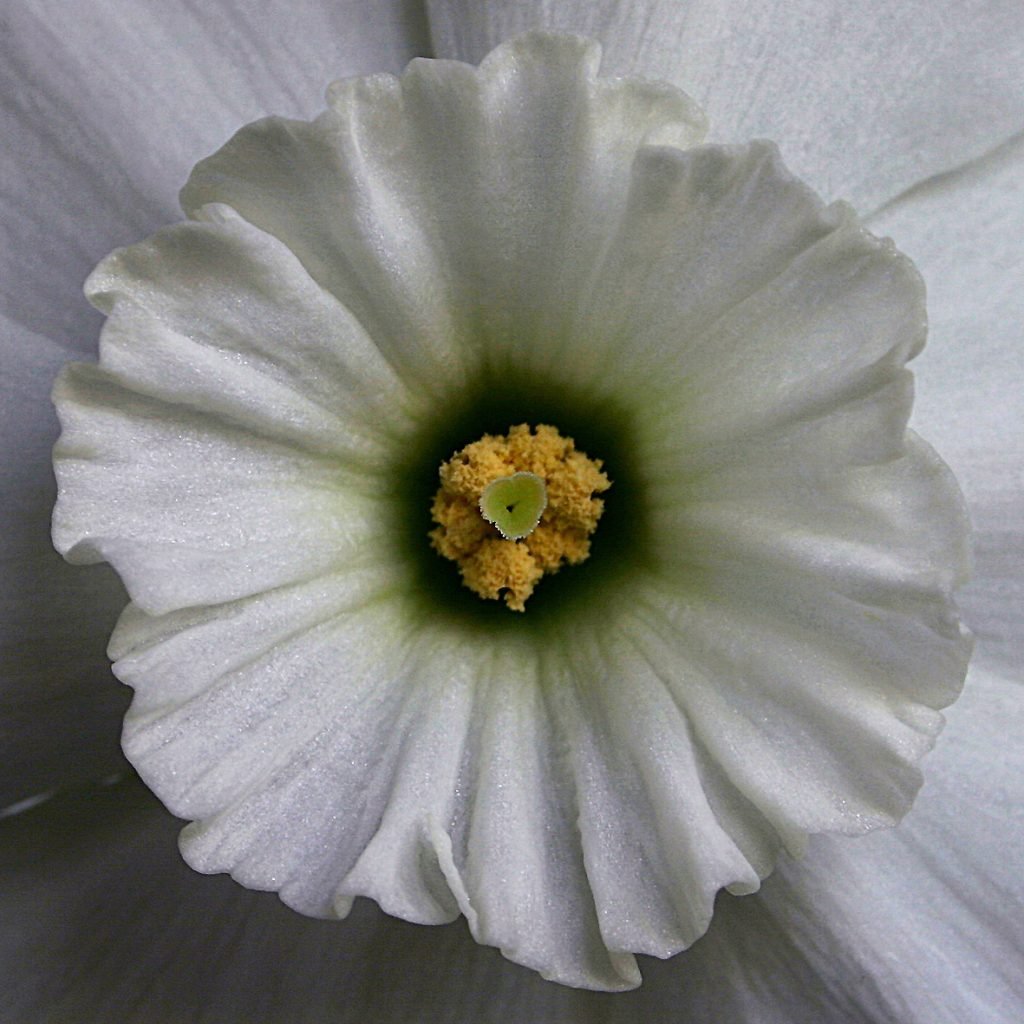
<point>496,568</point>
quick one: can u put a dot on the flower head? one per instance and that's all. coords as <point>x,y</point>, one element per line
<point>756,648</point>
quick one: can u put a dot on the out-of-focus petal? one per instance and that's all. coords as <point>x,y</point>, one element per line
<point>102,920</point>
<point>865,99</point>
<point>59,704</point>
<point>965,232</point>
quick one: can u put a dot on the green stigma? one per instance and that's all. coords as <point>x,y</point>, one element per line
<point>514,504</point>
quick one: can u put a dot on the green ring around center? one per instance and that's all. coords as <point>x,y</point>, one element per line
<point>601,428</point>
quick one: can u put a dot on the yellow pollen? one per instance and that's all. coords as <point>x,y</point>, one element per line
<point>491,565</point>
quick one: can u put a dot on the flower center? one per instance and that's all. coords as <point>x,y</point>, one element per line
<point>514,507</point>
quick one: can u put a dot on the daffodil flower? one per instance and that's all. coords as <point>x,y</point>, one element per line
<point>343,718</point>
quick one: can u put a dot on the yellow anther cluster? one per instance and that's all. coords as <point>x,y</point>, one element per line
<point>490,565</point>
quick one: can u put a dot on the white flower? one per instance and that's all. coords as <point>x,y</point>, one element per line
<point>836,889</point>
<point>756,648</point>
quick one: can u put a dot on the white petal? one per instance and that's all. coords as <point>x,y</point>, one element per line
<point>426,206</point>
<point>993,602</point>
<point>965,234</point>
<point>235,328</point>
<point>740,306</point>
<point>355,754</point>
<point>808,620</point>
<point>660,835</point>
<point>924,919</point>
<point>256,399</point>
<point>190,509</point>
<point>903,939</point>
<point>525,887</point>
<point>107,105</point>
<point>810,683</point>
<point>865,100</point>
<point>60,706</point>
<point>944,891</point>
<point>283,751</point>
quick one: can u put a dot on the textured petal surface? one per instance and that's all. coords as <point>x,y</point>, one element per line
<point>407,203</point>
<point>772,665</point>
<point>768,336</point>
<point>744,305</point>
<point>865,100</point>
<point>964,231</point>
<point>104,107</point>
<point>238,331</point>
<point>256,401</point>
<point>430,767</point>
<point>809,655</point>
<point>152,487</point>
<point>920,924</point>
<point>942,888</point>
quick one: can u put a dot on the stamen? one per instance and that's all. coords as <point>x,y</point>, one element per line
<point>514,507</point>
